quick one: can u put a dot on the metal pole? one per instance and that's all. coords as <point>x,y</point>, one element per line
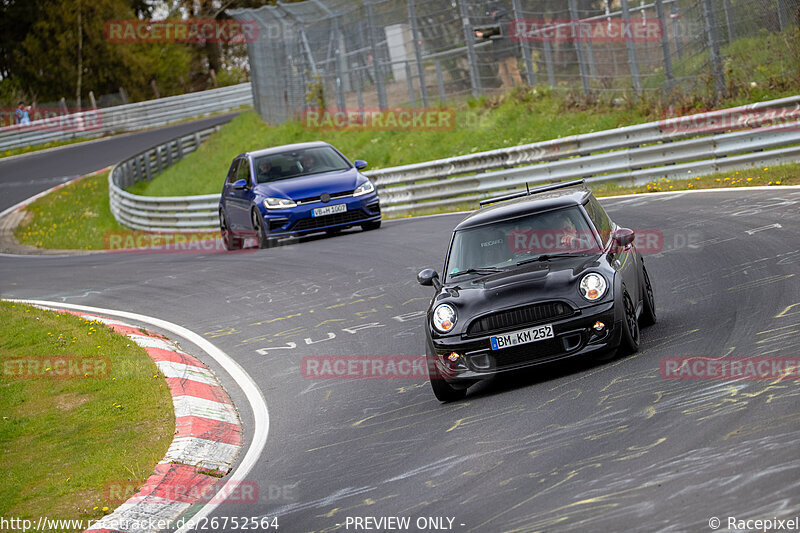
<point>781,15</point>
<point>474,73</point>
<point>412,15</point>
<point>633,64</point>
<point>713,44</point>
<point>676,30</point>
<point>670,76</point>
<point>410,81</point>
<point>440,80</point>
<point>573,14</point>
<point>590,59</point>
<point>359,96</point>
<point>525,47</point>
<point>726,5</point>
<point>379,86</point>
<point>548,59</point>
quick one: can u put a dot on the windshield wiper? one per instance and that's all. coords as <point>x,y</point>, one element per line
<point>547,257</point>
<point>482,270</point>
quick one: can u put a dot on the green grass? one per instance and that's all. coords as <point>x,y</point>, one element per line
<point>63,439</point>
<point>523,116</point>
<point>757,177</point>
<point>74,216</point>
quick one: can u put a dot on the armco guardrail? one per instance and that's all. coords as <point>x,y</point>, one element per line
<point>675,148</point>
<point>129,117</point>
<point>160,213</point>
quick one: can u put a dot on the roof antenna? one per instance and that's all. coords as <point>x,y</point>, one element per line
<point>527,188</point>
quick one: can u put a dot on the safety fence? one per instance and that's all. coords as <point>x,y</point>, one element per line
<point>765,133</point>
<point>128,117</point>
<point>348,54</point>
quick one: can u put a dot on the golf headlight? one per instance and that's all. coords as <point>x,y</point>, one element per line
<point>444,318</point>
<point>278,203</point>
<point>365,188</point>
<point>593,286</point>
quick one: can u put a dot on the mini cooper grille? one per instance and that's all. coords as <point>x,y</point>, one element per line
<point>520,316</point>
<point>329,220</point>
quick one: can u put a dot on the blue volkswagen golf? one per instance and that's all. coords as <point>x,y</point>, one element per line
<point>295,190</point>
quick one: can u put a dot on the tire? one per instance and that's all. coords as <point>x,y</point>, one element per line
<point>630,327</point>
<point>443,391</point>
<point>648,317</point>
<point>229,240</point>
<point>261,233</point>
<point>369,226</point>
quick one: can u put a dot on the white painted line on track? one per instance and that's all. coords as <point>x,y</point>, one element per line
<point>254,396</point>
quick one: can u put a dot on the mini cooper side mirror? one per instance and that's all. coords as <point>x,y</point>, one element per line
<point>239,184</point>
<point>360,164</point>
<point>429,277</point>
<point>624,236</point>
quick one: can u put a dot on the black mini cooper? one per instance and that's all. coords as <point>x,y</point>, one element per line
<point>533,278</point>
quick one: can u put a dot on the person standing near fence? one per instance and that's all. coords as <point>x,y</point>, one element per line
<point>21,116</point>
<point>503,48</point>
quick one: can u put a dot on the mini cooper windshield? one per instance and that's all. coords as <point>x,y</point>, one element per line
<point>541,236</point>
<point>295,163</point>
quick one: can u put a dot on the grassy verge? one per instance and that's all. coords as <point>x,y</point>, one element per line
<point>523,116</point>
<point>76,216</point>
<point>757,177</point>
<point>64,438</point>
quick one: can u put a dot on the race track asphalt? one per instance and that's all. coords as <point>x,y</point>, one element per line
<point>581,446</point>
<point>23,176</point>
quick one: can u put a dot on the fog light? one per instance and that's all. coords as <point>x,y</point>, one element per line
<point>453,357</point>
<point>598,325</point>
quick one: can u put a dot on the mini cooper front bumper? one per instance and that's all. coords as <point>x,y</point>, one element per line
<point>462,361</point>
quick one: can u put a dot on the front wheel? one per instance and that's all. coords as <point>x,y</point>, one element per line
<point>261,232</point>
<point>630,327</point>
<point>368,226</point>
<point>443,391</point>
<point>648,317</point>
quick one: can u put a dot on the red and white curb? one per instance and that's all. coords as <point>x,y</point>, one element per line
<point>208,437</point>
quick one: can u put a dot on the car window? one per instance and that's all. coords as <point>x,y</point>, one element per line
<point>295,163</point>
<point>244,171</point>
<point>233,170</point>
<point>599,218</point>
<point>504,243</point>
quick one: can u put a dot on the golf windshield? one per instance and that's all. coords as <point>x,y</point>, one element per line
<point>285,165</point>
<point>504,244</point>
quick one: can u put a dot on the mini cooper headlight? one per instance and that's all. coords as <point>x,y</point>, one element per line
<point>593,286</point>
<point>278,203</point>
<point>364,188</point>
<point>444,318</point>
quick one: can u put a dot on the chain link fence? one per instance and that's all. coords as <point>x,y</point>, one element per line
<point>376,54</point>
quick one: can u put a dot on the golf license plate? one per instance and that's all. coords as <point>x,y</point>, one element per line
<point>523,336</point>
<point>329,210</point>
